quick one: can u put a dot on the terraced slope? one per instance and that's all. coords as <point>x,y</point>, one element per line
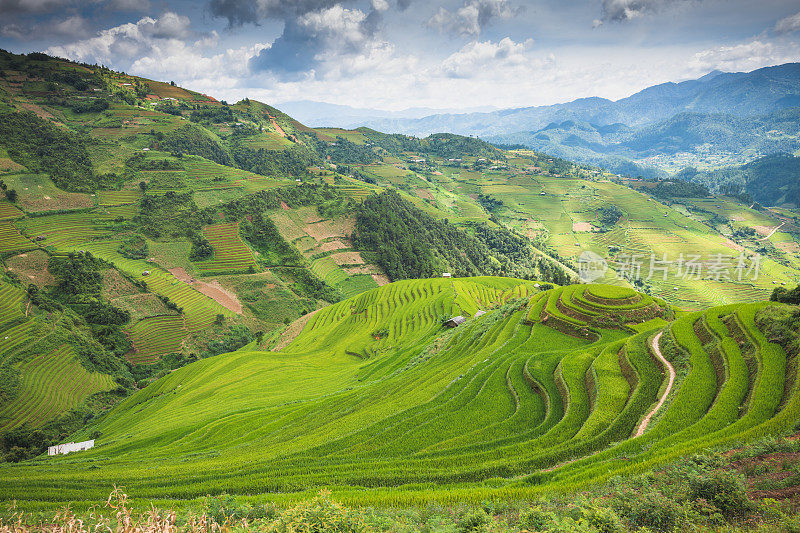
<point>375,399</point>
<point>52,383</point>
<point>231,254</point>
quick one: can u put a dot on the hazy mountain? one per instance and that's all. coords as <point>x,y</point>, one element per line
<point>323,114</point>
<point>753,93</point>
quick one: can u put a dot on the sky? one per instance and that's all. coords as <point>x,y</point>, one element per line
<point>397,54</point>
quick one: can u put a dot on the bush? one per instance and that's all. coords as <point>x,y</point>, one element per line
<point>474,521</point>
<point>725,490</point>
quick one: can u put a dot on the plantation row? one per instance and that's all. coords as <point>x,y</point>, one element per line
<point>11,240</point>
<point>12,301</point>
<point>155,336</point>
<point>231,254</point>
<point>52,383</point>
<point>8,210</point>
<point>374,394</point>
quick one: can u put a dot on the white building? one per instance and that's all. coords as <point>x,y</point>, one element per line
<point>446,275</point>
<point>63,449</point>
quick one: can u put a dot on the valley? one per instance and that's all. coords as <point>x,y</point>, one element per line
<point>229,302</point>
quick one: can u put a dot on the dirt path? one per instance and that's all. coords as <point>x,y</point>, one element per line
<point>773,231</point>
<point>671,369</point>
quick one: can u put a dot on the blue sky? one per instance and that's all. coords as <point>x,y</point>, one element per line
<point>394,54</point>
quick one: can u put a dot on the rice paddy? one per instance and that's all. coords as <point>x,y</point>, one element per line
<point>375,400</point>
<point>230,254</point>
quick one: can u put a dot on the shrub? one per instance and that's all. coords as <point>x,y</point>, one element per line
<point>725,490</point>
<point>474,521</point>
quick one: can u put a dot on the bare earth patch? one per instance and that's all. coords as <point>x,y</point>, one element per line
<point>737,218</point>
<point>7,165</point>
<point>31,267</point>
<point>115,285</point>
<point>425,194</point>
<point>61,201</point>
<point>791,247</point>
<point>347,258</point>
<point>292,331</point>
<point>581,227</point>
<point>764,230</point>
<point>381,279</point>
<point>213,290</point>
<point>35,108</point>
<point>331,246</point>
<point>327,229</point>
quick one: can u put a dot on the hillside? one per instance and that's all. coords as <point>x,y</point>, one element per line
<point>550,390</point>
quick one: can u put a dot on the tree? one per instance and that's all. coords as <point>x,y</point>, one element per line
<point>11,195</point>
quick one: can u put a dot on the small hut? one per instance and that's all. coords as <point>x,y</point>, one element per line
<point>480,312</point>
<point>455,321</point>
<point>446,275</point>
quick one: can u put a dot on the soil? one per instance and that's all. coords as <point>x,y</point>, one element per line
<point>425,194</point>
<point>293,330</point>
<point>581,227</point>
<point>347,258</point>
<point>212,289</point>
<point>115,285</point>
<point>31,267</point>
<point>381,279</point>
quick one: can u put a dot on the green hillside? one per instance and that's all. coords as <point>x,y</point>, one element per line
<point>549,390</point>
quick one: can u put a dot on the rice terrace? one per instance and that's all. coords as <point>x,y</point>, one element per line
<point>579,316</point>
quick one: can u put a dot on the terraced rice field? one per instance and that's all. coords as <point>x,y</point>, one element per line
<point>231,254</point>
<point>9,210</point>
<point>52,383</point>
<point>12,303</point>
<point>11,240</point>
<point>155,336</point>
<point>65,230</point>
<point>109,198</point>
<point>376,400</point>
<point>199,310</point>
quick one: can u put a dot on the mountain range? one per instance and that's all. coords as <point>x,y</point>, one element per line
<point>721,119</point>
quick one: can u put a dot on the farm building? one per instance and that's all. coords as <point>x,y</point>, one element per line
<point>480,312</point>
<point>446,275</point>
<point>63,449</point>
<point>455,321</point>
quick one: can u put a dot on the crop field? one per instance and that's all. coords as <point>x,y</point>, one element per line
<point>52,383</point>
<point>231,254</point>
<point>9,210</point>
<point>66,230</point>
<point>109,198</point>
<point>11,303</point>
<point>11,240</point>
<point>547,391</point>
<point>155,336</point>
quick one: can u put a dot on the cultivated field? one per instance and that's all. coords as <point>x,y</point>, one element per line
<point>547,391</point>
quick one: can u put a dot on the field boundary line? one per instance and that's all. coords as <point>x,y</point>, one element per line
<point>671,370</point>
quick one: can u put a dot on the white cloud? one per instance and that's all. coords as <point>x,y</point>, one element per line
<point>472,17</point>
<point>127,41</point>
<point>74,27</point>
<point>743,57</point>
<point>788,24</point>
<point>626,10</point>
<point>476,57</point>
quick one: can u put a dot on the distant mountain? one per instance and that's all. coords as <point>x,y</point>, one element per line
<point>323,114</point>
<point>759,92</point>
<point>706,140</point>
<point>720,119</point>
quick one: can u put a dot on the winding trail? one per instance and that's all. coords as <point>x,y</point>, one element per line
<point>657,351</point>
<point>771,233</point>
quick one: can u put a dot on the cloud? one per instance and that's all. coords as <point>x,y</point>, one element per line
<point>788,24</point>
<point>627,10</point>
<point>744,57</point>
<point>312,42</point>
<point>472,17</point>
<point>9,7</point>
<point>240,12</point>
<point>128,5</point>
<point>475,57</point>
<point>127,41</point>
<point>74,27</point>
